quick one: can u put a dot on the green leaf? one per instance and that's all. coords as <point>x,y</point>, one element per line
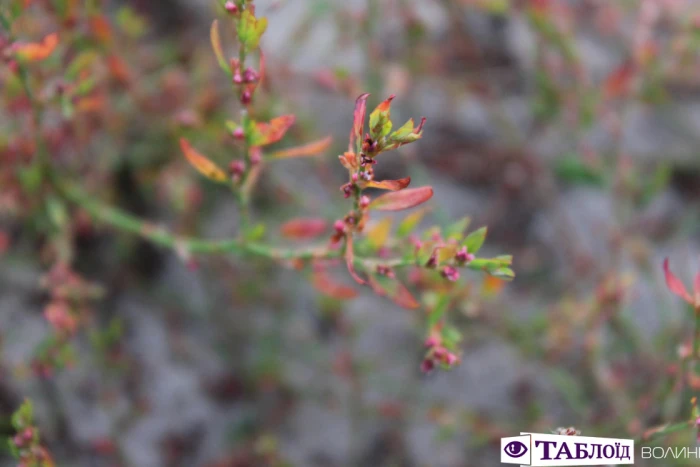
<point>380,120</point>
<point>456,231</point>
<point>215,37</point>
<point>250,30</point>
<point>438,311</point>
<point>475,240</point>
<point>409,223</point>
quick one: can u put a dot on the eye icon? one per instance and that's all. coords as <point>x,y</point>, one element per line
<point>515,449</point>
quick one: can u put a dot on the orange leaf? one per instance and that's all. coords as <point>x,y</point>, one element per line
<point>349,161</point>
<point>34,52</point>
<point>350,259</point>
<point>328,287</point>
<point>302,228</point>
<point>312,149</point>
<point>399,293</point>
<point>358,124</point>
<point>404,298</point>
<point>404,199</point>
<point>273,131</point>
<point>379,234</point>
<point>119,69</point>
<point>202,163</point>
<point>101,29</point>
<point>391,185</point>
<point>674,284</point>
<point>215,37</point>
<point>619,81</point>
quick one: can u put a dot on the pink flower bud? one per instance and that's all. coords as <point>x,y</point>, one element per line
<point>246,97</point>
<point>347,190</point>
<point>231,7</point>
<point>238,133</point>
<point>450,359</point>
<point>237,168</point>
<point>255,156</point>
<point>339,226</point>
<point>364,202</point>
<point>427,365</point>
<point>383,270</point>
<point>463,256</point>
<point>28,434</point>
<point>250,76</point>
<point>354,177</point>
<point>237,78</point>
<point>450,273</point>
<point>431,342</point>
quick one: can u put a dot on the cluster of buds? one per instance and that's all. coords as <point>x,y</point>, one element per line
<point>383,270</point>
<point>236,169</point>
<point>437,354</point>
<point>463,256</point>
<point>570,431</point>
<point>249,76</point>
<point>450,273</point>
<point>25,445</point>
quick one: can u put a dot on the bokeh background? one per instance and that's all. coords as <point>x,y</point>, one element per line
<point>570,128</point>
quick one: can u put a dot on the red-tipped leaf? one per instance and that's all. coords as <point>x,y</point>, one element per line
<point>391,185</point>
<point>202,163</point>
<point>358,124</point>
<point>268,133</point>
<point>350,260</point>
<point>403,199</point>
<point>332,289</point>
<point>312,149</point>
<point>674,284</point>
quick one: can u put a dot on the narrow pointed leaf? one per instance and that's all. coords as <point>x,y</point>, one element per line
<point>37,51</point>
<point>202,163</point>
<point>456,231</point>
<point>674,284</point>
<point>350,260</point>
<point>475,240</point>
<point>312,149</point>
<point>250,30</point>
<point>391,185</point>
<point>332,289</point>
<point>215,37</point>
<point>268,133</point>
<point>438,311</point>
<point>403,199</point>
<point>404,135</point>
<point>304,228</point>
<point>358,124</point>
<point>403,297</point>
<point>379,234</point>
<point>380,119</point>
<point>409,223</point>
